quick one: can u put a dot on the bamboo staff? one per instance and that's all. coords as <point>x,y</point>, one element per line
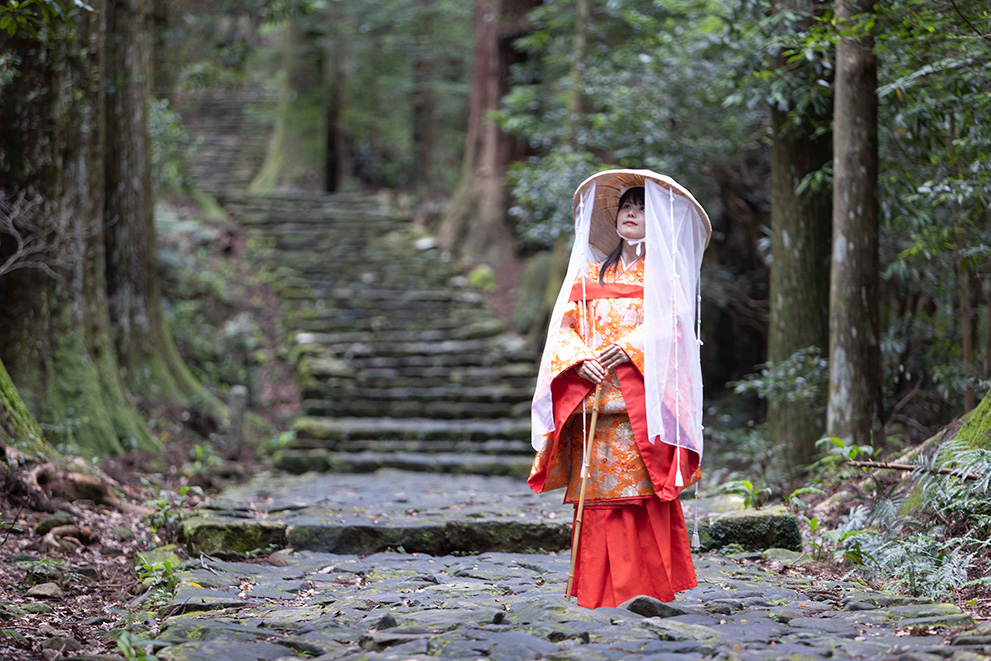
<point>575,540</point>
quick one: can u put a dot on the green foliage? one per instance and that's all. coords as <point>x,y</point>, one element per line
<point>135,648</point>
<point>930,536</point>
<point>29,17</point>
<point>840,451</point>
<point>170,148</point>
<point>168,510</point>
<point>162,574</point>
<point>210,307</point>
<point>541,187</point>
<point>642,104</point>
<point>752,497</point>
<point>802,378</point>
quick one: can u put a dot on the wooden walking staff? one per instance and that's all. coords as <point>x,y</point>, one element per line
<point>575,539</point>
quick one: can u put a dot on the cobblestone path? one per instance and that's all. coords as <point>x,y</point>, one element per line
<point>510,606</point>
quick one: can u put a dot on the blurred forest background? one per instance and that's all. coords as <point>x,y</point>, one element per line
<point>842,150</point>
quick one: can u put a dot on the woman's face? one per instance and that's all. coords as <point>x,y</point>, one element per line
<point>630,221</point>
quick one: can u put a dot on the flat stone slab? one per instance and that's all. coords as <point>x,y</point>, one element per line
<point>511,606</point>
<point>427,512</point>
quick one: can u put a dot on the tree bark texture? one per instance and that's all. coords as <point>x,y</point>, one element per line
<point>423,99</point>
<point>54,340</point>
<point>163,65</point>
<point>801,226</point>
<point>854,347</point>
<point>967,331</point>
<point>149,360</point>
<point>290,160</point>
<point>476,223</point>
<point>576,99</point>
<point>336,62</point>
<point>17,428</point>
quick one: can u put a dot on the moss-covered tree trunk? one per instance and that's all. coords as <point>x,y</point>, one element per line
<point>148,357</point>
<point>54,338</point>
<point>295,153</point>
<point>17,428</point>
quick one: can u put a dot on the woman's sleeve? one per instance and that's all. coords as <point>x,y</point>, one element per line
<point>570,349</point>
<point>632,344</point>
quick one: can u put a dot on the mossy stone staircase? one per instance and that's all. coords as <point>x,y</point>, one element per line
<point>400,363</point>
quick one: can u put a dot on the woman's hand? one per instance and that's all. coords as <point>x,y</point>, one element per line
<point>591,370</point>
<point>613,356</point>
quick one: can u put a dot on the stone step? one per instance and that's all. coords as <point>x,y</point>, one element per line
<point>355,407</point>
<point>364,296</point>
<point>411,366</point>
<point>385,305</point>
<point>333,386</point>
<point>429,512</point>
<point>449,349</point>
<point>415,392</point>
<point>419,446</point>
<point>314,429</point>
<point>312,319</point>
<point>333,372</point>
<point>473,331</point>
<point>375,324</point>
<point>324,461</point>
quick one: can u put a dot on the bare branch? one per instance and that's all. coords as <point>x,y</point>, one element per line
<point>967,21</point>
<point>34,245</point>
<point>907,468</point>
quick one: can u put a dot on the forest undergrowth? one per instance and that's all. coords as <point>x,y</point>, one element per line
<point>915,521</point>
<point>79,572</point>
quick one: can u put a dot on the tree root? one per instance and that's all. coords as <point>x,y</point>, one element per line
<point>78,536</point>
<point>44,483</point>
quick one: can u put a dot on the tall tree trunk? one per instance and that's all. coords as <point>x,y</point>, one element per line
<point>801,228</point>
<point>967,332</point>
<point>854,346</point>
<point>290,160</point>
<point>336,62</point>
<point>576,99</point>
<point>423,99</point>
<point>148,357</point>
<point>162,64</point>
<point>476,223</point>
<point>54,339</point>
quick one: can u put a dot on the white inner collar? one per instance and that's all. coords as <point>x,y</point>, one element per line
<point>626,266</point>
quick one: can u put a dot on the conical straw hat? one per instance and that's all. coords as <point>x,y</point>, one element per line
<point>609,187</point>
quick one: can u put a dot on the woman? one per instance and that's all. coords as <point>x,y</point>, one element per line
<point>624,325</point>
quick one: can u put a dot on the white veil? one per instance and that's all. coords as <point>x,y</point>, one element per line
<point>677,231</point>
<point>582,253</point>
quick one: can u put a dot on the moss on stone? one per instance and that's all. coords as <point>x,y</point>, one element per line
<point>772,527</point>
<point>224,537</point>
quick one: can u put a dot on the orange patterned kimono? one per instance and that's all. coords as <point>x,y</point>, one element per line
<point>633,537</point>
